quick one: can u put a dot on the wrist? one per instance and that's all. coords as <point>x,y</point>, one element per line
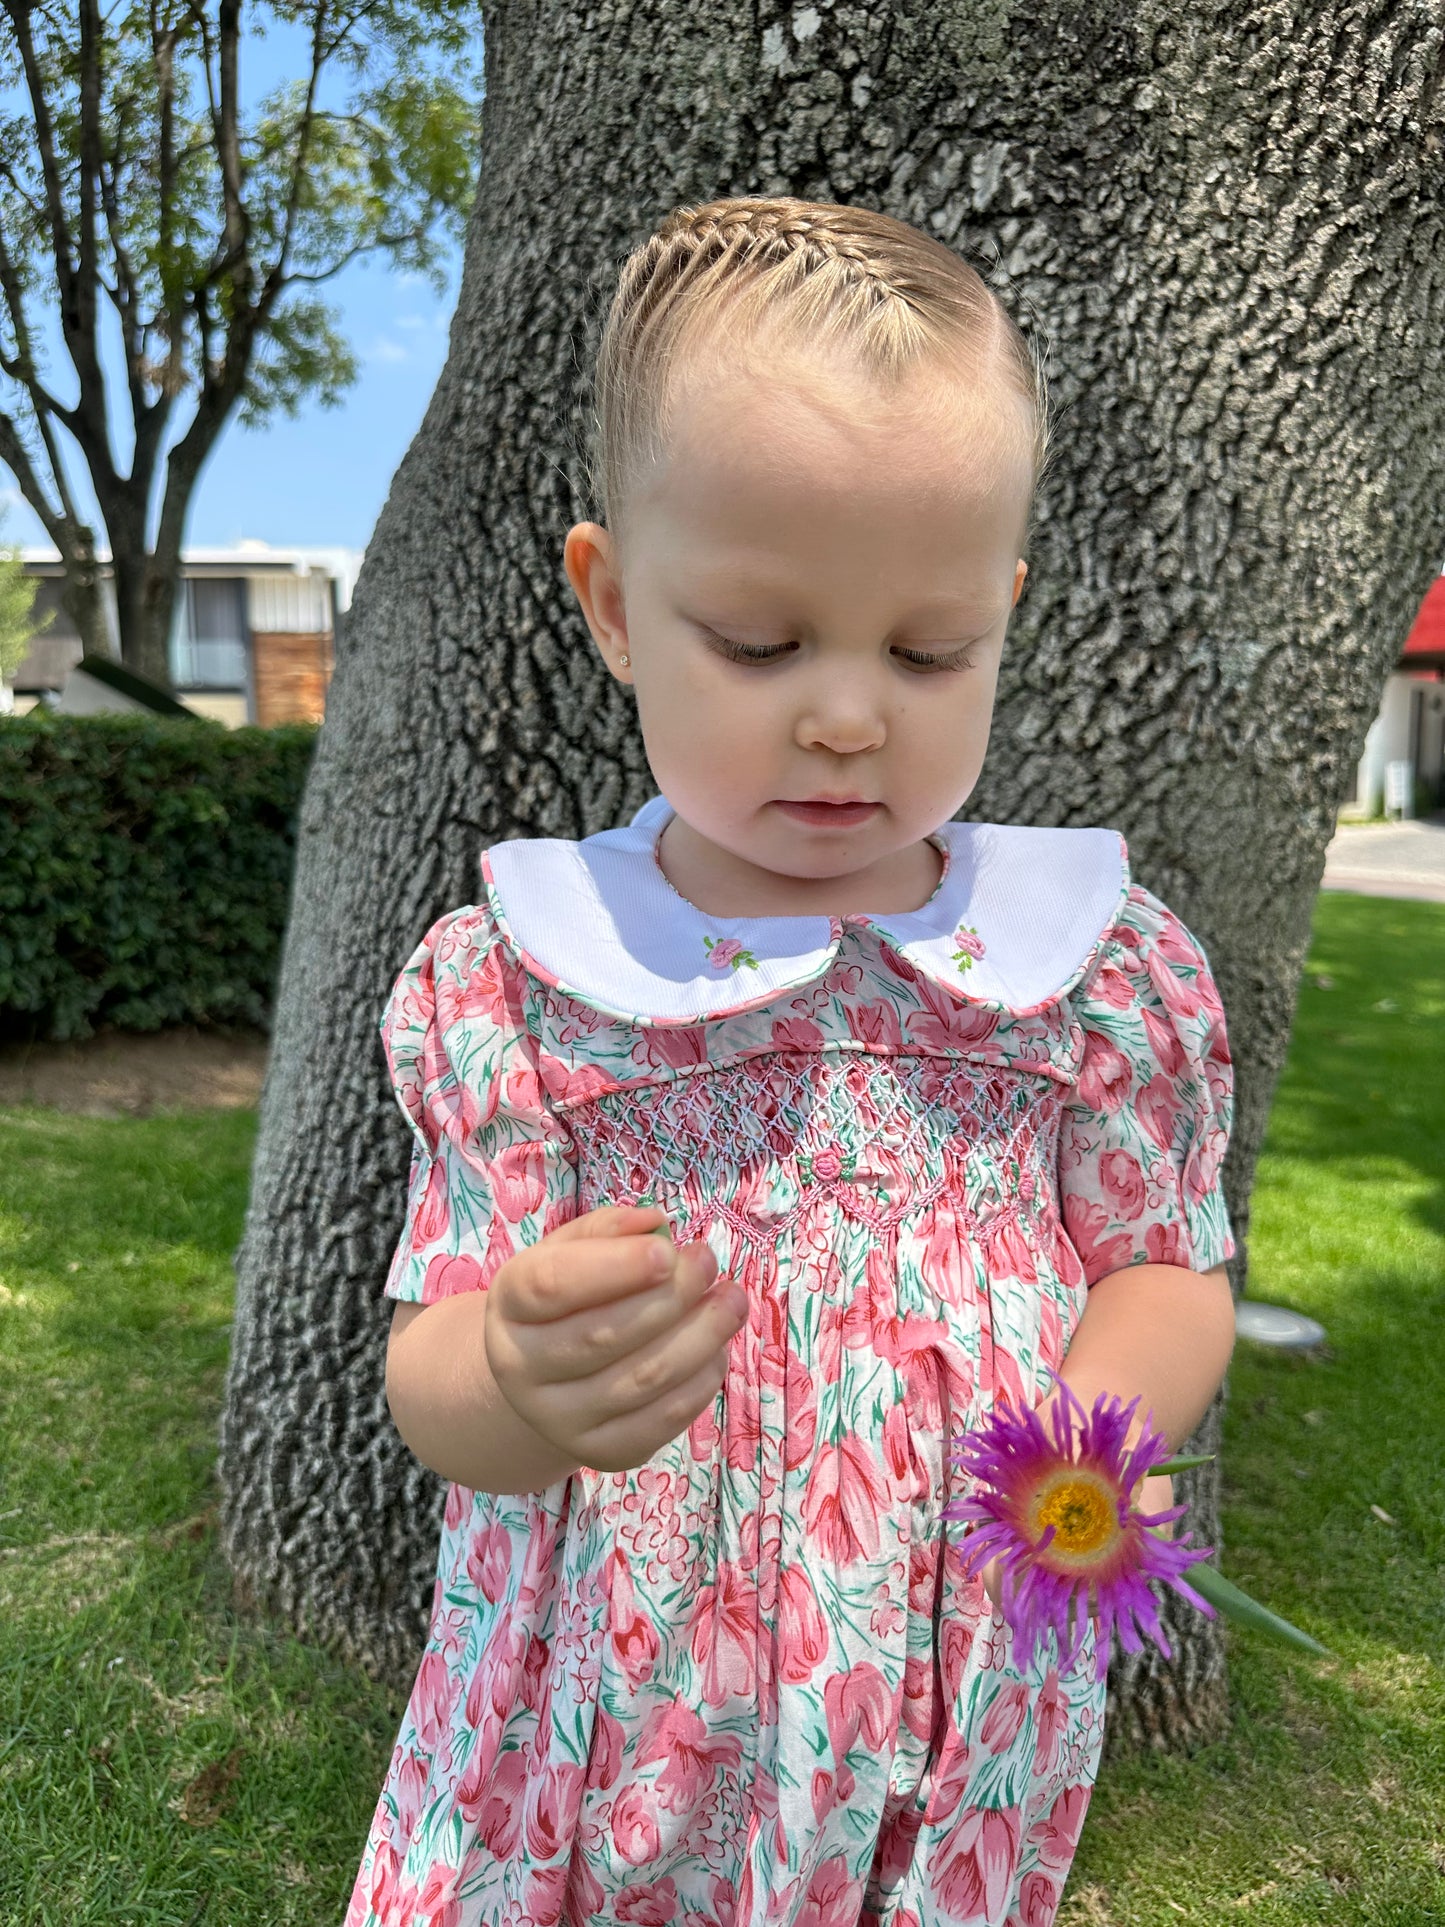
<point>453,1415</point>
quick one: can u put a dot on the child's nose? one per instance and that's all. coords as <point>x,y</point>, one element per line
<point>842,719</point>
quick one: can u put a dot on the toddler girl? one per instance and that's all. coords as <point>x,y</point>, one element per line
<point>927,1107</point>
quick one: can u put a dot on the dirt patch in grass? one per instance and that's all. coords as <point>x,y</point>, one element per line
<point>114,1074</point>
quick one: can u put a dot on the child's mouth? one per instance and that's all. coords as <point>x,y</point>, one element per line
<point>833,815</point>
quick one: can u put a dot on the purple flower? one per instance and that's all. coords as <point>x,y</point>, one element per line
<point>1056,1514</point>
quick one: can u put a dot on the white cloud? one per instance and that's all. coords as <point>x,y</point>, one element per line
<point>384,349</point>
<point>411,321</point>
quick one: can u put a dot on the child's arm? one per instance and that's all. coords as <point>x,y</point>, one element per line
<point>1158,1330</point>
<point>449,1409</point>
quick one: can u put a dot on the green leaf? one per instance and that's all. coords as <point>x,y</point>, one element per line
<point>1210,1583</point>
<point>1181,1464</point>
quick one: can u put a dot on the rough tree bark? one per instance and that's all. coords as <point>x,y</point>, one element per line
<point>1227,219</point>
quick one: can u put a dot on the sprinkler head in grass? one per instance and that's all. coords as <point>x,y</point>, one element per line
<point>1276,1326</point>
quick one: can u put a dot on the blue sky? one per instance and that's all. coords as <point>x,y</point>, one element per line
<point>322,478</point>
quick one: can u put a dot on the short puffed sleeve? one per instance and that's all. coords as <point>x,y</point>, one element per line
<point>492,1169</point>
<point>1146,1125</point>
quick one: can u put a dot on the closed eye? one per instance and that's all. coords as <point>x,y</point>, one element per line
<point>939,658</point>
<point>748,652</point>
<point>775,652</point>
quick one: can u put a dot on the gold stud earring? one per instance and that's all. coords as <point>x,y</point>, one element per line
<point>624,660</point>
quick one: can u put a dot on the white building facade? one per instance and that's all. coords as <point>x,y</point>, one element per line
<point>1409,731</point>
<point>252,641</point>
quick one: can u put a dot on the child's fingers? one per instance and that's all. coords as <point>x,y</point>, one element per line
<point>580,1265</point>
<point>619,1441</point>
<point>646,1374</point>
<point>609,1221</point>
<point>631,1327</point>
<point>643,1384</point>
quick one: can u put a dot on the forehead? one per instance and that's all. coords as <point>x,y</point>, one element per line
<point>780,452</point>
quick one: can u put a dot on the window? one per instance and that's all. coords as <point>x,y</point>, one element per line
<point>61,627</point>
<point>208,636</point>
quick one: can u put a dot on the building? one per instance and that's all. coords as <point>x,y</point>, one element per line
<point>253,640</point>
<point>1410,728</point>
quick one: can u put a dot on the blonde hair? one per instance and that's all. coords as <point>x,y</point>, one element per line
<point>825,275</point>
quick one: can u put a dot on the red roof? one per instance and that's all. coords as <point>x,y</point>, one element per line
<point>1427,637</point>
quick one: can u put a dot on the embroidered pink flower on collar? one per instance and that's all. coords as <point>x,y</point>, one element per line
<point>727,953</point>
<point>970,945</point>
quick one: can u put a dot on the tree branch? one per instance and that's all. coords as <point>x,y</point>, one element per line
<point>91,56</point>
<point>14,295</point>
<point>184,463</point>
<point>339,39</point>
<point>60,237</point>
<point>16,458</point>
<point>225,147</point>
<point>202,22</point>
<point>151,417</point>
<point>275,276</point>
<point>123,295</point>
<point>362,247</point>
<point>164,45</point>
<point>17,187</point>
<point>205,326</point>
<point>21,367</point>
<point>228,145</point>
<point>87,421</point>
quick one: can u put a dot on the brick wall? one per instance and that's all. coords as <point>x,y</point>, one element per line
<point>291,676</point>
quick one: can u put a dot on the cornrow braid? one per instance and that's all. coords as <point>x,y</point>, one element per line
<point>780,225</point>
<point>823,273</point>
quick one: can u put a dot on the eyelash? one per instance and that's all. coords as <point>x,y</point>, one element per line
<point>744,652</point>
<point>954,659</point>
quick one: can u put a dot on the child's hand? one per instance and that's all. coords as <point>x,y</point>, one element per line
<point>607,1339</point>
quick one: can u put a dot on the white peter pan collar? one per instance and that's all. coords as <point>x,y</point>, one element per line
<point>1014,922</point>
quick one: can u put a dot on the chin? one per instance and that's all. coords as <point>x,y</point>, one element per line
<point>838,857</point>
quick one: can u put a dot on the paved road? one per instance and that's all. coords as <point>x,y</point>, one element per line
<point>1388,859</point>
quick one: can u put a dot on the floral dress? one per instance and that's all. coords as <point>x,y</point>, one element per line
<point>746,1684</point>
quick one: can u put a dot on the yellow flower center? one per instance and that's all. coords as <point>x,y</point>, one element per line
<point>1083,1510</point>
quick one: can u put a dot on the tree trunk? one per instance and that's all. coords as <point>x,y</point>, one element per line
<point>145,594</point>
<point>81,594</point>
<point>1227,219</point>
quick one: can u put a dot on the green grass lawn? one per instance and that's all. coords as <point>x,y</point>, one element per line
<point>162,1763</point>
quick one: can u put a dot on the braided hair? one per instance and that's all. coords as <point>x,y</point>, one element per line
<point>825,274</point>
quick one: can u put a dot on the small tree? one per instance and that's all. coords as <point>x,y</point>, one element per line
<point>137,195</point>
<point>18,627</point>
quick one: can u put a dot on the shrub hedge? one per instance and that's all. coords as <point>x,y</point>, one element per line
<point>145,867</point>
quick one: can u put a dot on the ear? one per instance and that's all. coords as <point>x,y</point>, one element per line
<point>590,559</point>
<point>1019,573</point>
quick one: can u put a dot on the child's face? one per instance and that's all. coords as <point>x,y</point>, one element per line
<point>799,512</point>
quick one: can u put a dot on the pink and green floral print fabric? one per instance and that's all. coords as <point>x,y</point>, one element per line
<point>746,1682</point>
